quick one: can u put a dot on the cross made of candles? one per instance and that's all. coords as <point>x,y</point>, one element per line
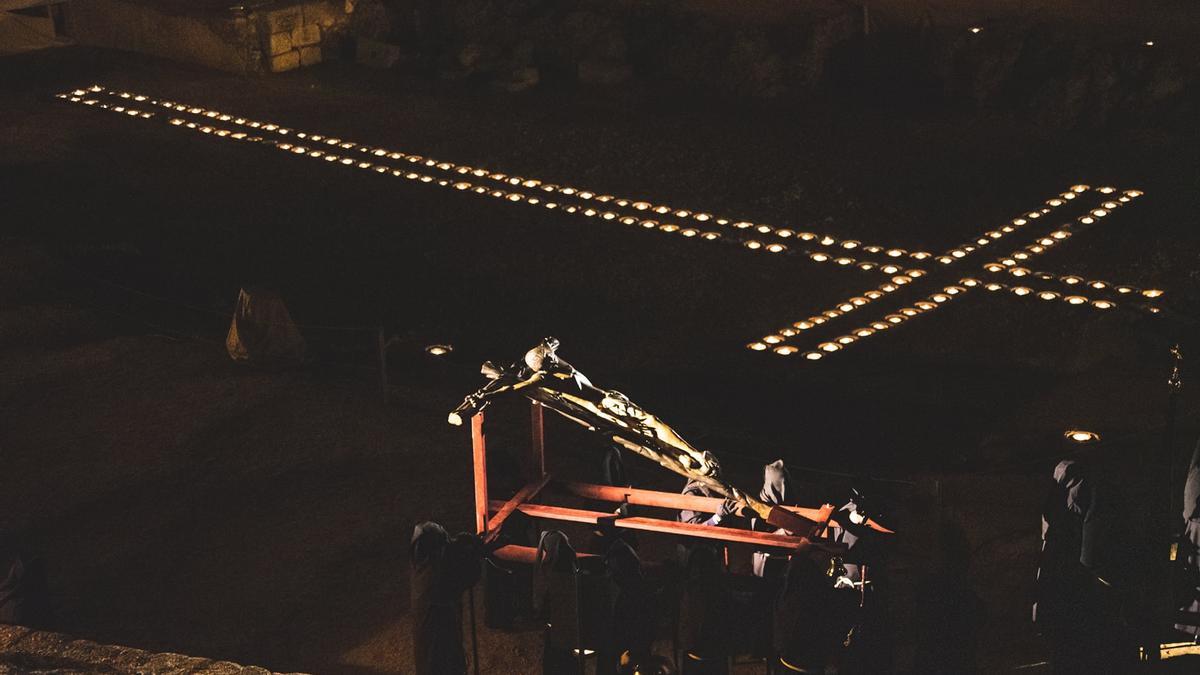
<point>914,283</point>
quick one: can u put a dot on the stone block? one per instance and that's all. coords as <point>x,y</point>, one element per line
<point>283,20</point>
<point>220,668</point>
<point>280,43</point>
<point>285,61</point>
<point>305,35</point>
<point>310,56</point>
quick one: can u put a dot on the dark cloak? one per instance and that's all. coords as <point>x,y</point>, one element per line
<point>1190,542</point>
<point>631,620</point>
<point>571,602</point>
<point>706,621</point>
<point>612,468</point>
<point>808,627</point>
<point>1074,607</point>
<point>862,543</point>
<point>442,568</point>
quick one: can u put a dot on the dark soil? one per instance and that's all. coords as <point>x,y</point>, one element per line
<point>184,504</point>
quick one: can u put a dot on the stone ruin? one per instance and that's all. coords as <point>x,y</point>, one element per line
<point>23,650</point>
<point>274,37</point>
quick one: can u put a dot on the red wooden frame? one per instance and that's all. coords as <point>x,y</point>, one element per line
<point>491,514</point>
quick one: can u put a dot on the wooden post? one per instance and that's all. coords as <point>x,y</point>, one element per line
<point>537,450</point>
<point>479,450</point>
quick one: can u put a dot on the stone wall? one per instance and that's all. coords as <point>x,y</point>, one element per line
<point>721,47</point>
<point>28,651</point>
<point>301,34</point>
<point>276,37</point>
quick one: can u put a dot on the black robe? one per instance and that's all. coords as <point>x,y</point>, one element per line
<point>1075,609</point>
<point>571,602</point>
<point>1190,543</point>
<point>808,626</point>
<point>631,621</point>
<point>442,568</point>
<point>706,621</point>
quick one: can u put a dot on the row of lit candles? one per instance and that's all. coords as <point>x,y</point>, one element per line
<point>896,281</point>
<point>775,342</point>
<point>751,244</point>
<point>379,155</point>
<point>774,234</point>
<point>954,255</point>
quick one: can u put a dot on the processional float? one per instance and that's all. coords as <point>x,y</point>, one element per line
<point>549,382</point>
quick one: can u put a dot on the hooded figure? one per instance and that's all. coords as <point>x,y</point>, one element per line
<point>1190,543</point>
<point>807,634</point>
<point>631,620</point>
<point>776,491</point>
<point>696,488</point>
<point>850,528</point>
<point>1071,591</point>
<point>706,623</point>
<point>442,568</point>
<point>612,468</point>
<point>567,603</point>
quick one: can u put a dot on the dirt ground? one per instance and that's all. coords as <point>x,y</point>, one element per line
<point>185,504</point>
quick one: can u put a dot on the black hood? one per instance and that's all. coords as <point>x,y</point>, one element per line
<point>428,543</point>
<point>1072,480</point>
<point>623,565</point>
<point>703,562</point>
<point>554,552</point>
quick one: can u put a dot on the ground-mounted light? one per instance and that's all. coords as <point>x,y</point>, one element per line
<point>1081,436</point>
